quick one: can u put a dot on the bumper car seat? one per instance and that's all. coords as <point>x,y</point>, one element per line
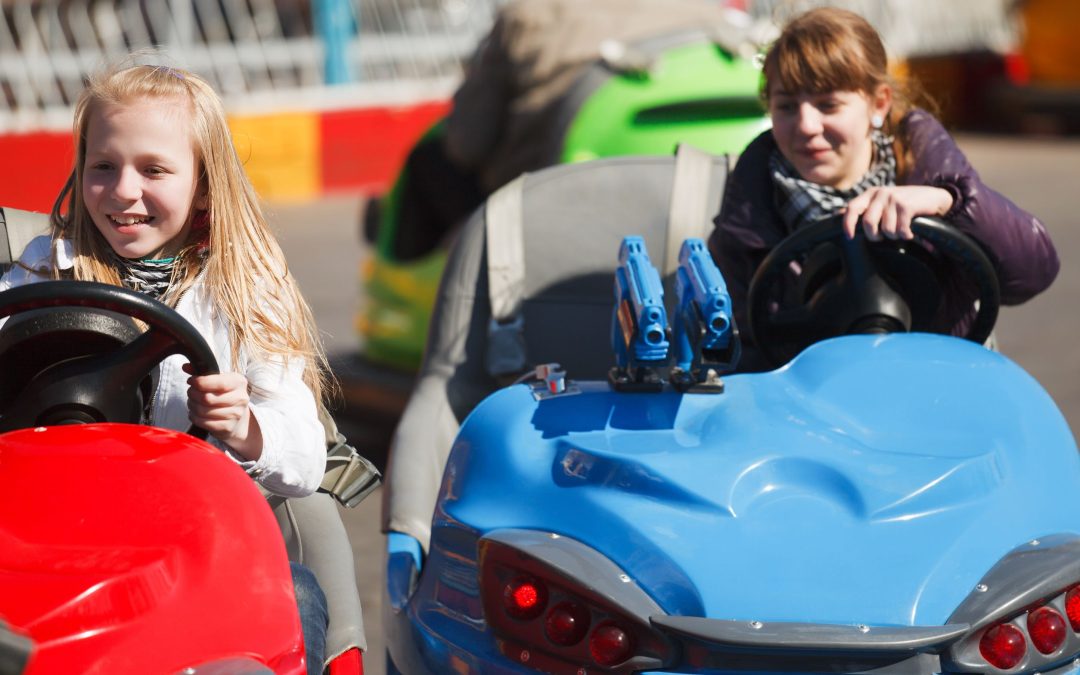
<point>496,317</point>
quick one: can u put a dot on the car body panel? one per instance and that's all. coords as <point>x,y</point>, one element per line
<point>695,93</point>
<point>872,481</point>
<point>132,549</point>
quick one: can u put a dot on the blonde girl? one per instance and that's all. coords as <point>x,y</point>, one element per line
<point>159,202</point>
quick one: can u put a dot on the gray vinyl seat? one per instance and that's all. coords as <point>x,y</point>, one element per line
<point>315,536</point>
<point>17,228</point>
<point>312,526</point>
<point>571,220</point>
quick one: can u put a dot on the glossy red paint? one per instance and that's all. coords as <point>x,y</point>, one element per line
<point>131,549</point>
<point>349,663</point>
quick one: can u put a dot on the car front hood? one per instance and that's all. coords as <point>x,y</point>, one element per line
<point>873,480</point>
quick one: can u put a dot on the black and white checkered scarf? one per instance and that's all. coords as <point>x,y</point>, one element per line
<point>151,277</point>
<point>802,202</point>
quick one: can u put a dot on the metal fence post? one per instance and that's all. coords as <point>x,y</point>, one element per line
<point>336,24</point>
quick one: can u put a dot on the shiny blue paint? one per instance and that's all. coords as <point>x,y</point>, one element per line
<point>403,544</point>
<point>873,480</point>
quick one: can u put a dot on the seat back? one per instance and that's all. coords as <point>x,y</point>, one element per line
<point>572,220</point>
<point>17,228</point>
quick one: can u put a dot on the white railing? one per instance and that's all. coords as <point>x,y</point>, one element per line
<point>255,52</point>
<point>913,28</point>
<point>270,54</point>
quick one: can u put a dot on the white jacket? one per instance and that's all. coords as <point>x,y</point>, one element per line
<point>294,442</point>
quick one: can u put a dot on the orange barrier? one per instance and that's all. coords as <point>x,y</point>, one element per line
<point>1049,44</point>
<point>288,156</point>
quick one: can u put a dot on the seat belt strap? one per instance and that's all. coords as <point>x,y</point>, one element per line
<point>504,236</point>
<point>689,212</point>
<point>6,255</point>
<point>349,476</point>
<point>17,228</point>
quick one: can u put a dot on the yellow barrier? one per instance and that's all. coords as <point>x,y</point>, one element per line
<point>281,154</point>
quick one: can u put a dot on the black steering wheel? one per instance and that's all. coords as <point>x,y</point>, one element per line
<point>76,385</point>
<point>817,283</point>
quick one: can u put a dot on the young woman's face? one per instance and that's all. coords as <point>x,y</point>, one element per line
<point>826,137</point>
<point>141,176</point>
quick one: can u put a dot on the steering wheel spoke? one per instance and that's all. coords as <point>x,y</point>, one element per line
<point>133,361</point>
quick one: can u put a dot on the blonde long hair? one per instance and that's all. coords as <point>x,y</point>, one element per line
<point>245,270</point>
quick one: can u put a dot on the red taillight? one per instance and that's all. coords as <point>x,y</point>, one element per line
<point>1047,629</point>
<point>610,645</point>
<point>567,623</point>
<point>524,598</point>
<point>1072,607</point>
<point>1003,646</point>
<point>1017,69</point>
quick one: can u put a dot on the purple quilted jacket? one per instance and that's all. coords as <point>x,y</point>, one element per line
<point>749,224</point>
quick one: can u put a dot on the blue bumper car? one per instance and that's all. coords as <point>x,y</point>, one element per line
<point>885,500</point>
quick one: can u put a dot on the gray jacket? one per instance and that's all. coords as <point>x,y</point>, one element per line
<point>502,120</point>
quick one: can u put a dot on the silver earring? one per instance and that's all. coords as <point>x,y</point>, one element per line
<point>876,121</point>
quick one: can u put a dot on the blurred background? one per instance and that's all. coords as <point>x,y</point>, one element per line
<point>326,98</point>
<point>324,94</point>
<point>328,95</point>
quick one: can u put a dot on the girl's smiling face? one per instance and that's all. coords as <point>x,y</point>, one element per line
<point>826,136</point>
<point>140,176</point>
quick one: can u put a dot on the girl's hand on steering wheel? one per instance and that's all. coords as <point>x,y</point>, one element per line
<point>887,211</point>
<point>221,405</point>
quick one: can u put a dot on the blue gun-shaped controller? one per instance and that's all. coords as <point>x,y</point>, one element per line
<point>706,338</point>
<point>639,330</point>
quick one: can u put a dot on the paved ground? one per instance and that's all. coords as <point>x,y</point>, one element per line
<point>324,250</point>
<point>1042,334</point>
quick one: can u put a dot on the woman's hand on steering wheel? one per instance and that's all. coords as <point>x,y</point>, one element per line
<point>887,211</point>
